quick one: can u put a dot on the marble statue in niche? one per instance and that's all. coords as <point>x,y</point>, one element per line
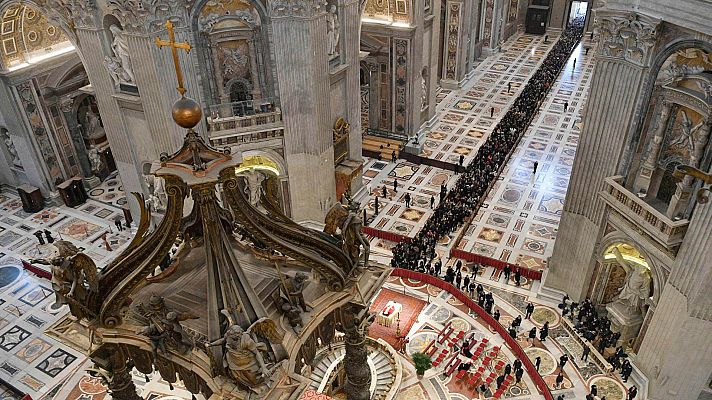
<point>157,196</point>
<point>253,187</point>
<point>688,132</point>
<point>637,285</point>
<point>333,27</point>
<point>10,146</point>
<point>120,66</point>
<point>423,93</point>
<point>94,128</point>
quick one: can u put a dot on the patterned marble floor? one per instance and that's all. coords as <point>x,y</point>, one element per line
<point>110,192</point>
<point>519,220</point>
<point>33,361</point>
<point>463,122</point>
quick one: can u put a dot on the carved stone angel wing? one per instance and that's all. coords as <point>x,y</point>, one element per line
<point>83,262</point>
<point>267,329</point>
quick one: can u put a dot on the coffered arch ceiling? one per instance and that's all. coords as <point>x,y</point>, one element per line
<point>27,37</point>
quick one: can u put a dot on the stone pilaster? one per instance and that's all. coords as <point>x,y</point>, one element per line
<point>623,59</point>
<point>350,49</point>
<point>453,45</point>
<point>302,66</point>
<point>676,352</point>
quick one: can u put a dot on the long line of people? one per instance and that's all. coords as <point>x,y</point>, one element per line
<point>464,198</point>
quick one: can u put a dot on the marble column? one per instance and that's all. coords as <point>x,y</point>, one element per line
<point>303,80</point>
<point>615,89</point>
<point>642,183</point>
<point>254,72</point>
<point>358,373</point>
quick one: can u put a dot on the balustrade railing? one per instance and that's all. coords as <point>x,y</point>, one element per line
<point>656,224</point>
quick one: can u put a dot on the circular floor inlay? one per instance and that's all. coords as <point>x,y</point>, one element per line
<point>608,387</point>
<point>8,275</point>
<point>543,314</point>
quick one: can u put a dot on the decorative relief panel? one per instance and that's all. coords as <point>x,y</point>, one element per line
<point>401,84</point>
<point>629,37</point>
<point>295,8</point>
<point>227,14</point>
<point>513,5</point>
<point>680,139</point>
<point>489,12</point>
<point>26,91</point>
<point>453,40</point>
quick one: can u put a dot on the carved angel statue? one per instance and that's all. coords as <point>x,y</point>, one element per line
<point>349,223</point>
<point>244,354</point>
<point>637,284</point>
<point>163,325</point>
<point>74,276</point>
<point>116,71</point>
<point>93,124</point>
<point>687,138</point>
<point>253,189</point>
<point>94,158</point>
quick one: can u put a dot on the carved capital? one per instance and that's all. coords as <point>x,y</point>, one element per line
<point>149,16</point>
<point>630,37</point>
<point>296,8</point>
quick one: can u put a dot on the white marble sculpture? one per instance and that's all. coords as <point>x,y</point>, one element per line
<point>10,146</point>
<point>120,47</point>
<point>159,191</point>
<point>253,189</point>
<point>93,123</point>
<point>117,73</point>
<point>637,285</point>
<point>333,27</point>
<point>94,158</point>
<point>423,93</point>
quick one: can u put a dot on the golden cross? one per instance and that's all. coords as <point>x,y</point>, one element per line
<point>171,42</point>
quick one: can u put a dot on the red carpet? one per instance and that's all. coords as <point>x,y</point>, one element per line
<point>408,316</point>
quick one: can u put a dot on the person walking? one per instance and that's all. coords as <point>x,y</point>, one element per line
<point>509,87</point>
<point>507,369</point>
<point>48,234</point>
<point>395,185</point>
<point>517,277</point>
<point>375,206</point>
<point>574,64</point>
<point>536,165</point>
<point>594,390</point>
<point>407,200</point>
<point>496,315</point>
<point>632,392</point>
<point>393,156</point>
<point>544,331</point>
<point>559,380</point>
<point>562,361</point>
<point>384,191</point>
<point>507,272</point>
<point>39,237</point>
<point>466,282</point>
<point>537,362</point>
<point>566,106</point>
<point>529,311</point>
<point>586,351</point>
<point>117,222</point>
<point>532,334</point>
<point>518,373</point>
<point>432,201</point>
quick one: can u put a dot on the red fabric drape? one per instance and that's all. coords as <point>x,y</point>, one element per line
<point>526,272</point>
<point>472,305</point>
<point>37,271</point>
<point>393,237</point>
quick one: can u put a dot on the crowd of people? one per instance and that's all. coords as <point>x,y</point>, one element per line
<point>464,198</point>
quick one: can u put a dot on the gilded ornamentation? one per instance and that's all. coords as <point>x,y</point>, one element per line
<point>629,37</point>
<point>145,16</point>
<point>74,275</point>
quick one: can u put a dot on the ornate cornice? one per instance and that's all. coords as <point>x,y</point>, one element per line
<point>630,37</point>
<point>70,13</point>
<point>148,16</point>
<point>296,8</point>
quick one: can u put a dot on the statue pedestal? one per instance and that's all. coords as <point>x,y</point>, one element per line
<point>624,321</point>
<point>92,182</point>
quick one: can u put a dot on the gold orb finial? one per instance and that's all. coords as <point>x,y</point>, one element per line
<point>186,112</point>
